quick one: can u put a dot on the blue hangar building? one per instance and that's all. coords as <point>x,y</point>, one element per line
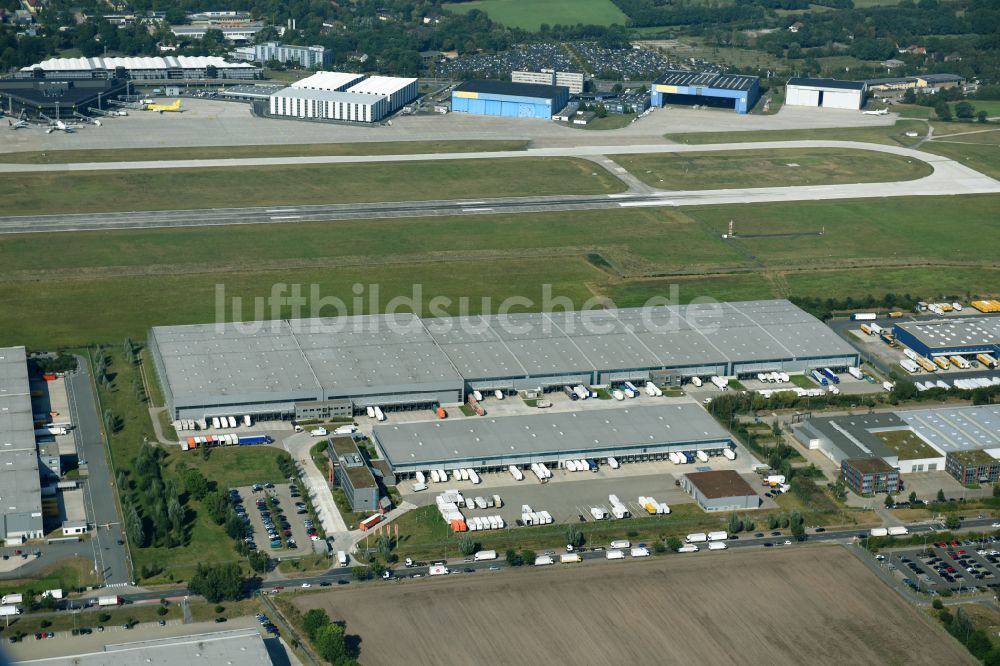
<point>508,99</point>
<point>726,91</point>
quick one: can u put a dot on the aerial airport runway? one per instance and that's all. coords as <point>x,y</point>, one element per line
<point>948,178</point>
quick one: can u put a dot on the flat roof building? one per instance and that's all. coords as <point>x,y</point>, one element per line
<point>571,80</point>
<point>869,476</point>
<point>958,335</point>
<point>509,99</point>
<point>303,56</point>
<point>732,91</point>
<point>399,91</point>
<point>402,361</point>
<point>951,429</point>
<point>973,467</point>
<point>20,484</point>
<point>353,475</point>
<point>720,490</point>
<point>327,105</point>
<point>494,443</point>
<point>221,648</point>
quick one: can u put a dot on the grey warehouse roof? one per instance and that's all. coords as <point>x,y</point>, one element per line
<point>954,429</point>
<point>852,434</point>
<point>955,332</point>
<point>547,434</point>
<point>488,87</point>
<point>20,486</point>
<point>243,646</point>
<point>308,359</point>
<point>706,80</point>
<point>827,83</point>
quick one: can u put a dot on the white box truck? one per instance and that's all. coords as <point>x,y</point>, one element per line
<point>341,558</point>
<point>544,560</point>
<point>570,558</point>
<point>614,554</point>
<point>639,551</point>
<point>438,570</point>
<point>9,610</point>
<point>718,536</point>
<point>620,544</point>
<point>484,555</point>
<point>898,530</point>
<point>55,594</point>
<point>716,545</point>
<point>109,600</point>
<point>497,502</point>
<point>697,537</point>
<point>689,548</point>
<point>879,532</point>
<point>12,599</point>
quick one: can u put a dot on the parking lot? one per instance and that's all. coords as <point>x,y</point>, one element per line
<point>285,519</point>
<point>957,566</point>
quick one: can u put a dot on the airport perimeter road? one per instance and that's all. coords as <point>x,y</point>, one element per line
<point>948,178</point>
<point>107,541</point>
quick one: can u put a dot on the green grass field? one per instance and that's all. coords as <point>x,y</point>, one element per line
<point>531,15</point>
<point>283,150</point>
<point>162,189</point>
<point>983,157</point>
<point>764,168</point>
<point>94,280</point>
<point>235,466</point>
<point>887,134</point>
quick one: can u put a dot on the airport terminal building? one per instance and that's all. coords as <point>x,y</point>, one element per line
<point>494,443</point>
<point>403,361</point>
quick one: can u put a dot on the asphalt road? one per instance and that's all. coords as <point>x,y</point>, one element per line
<point>948,178</point>
<point>99,491</point>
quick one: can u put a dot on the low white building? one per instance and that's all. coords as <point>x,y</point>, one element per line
<point>328,105</point>
<point>548,77</point>
<point>168,67</point>
<point>825,93</point>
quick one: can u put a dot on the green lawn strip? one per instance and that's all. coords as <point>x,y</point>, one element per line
<point>67,575</point>
<point>224,187</point>
<point>104,309</point>
<point>887,134</point>
<point>235,466</point>
<point>983,157</point>
<point>907,230</point>
<point>281,150</point>
<point>766,168</point>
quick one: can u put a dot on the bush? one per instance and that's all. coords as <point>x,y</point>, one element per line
<point>103,617</point>
<point>659,548</point>
<point>528,556</point>
<point>161,611</point>
<point>467,545</point>
<point>45,623</point>
<point>937,604</point>
<point>514,558</point>
<point>220,609</point>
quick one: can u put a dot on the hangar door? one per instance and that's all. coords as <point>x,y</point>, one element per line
<point>842,99</point>
<point>796,96</point>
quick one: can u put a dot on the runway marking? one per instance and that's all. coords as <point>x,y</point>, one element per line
<point>632,204</point>
<point>475,210</point>
<point>281,210</point>
<point>286,217</point>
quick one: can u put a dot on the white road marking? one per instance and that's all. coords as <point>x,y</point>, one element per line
<point>286,217</point>
<point>475,210</point>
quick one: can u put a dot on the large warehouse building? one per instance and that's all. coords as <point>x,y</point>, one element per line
<point>343,96</point>
<point>509,99</point>
<point>402,361</point>
<point>958,335</point>
<point>493,444</point>
<point>143,68</point>
<point>20,483</point>
<point>728,91</point>
<point>826,93</point>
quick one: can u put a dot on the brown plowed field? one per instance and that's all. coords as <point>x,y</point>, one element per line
<point>816,605</point>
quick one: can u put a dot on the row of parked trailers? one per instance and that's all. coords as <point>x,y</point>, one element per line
<point>224,440</point>
<point>441,476</point>
<point>216,423</point>
<point>966,384</point>
<point>530,517</point>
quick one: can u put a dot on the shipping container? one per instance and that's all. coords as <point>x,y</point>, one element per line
<point>379,414</point>
<point>702,456</point>
<point>613,463</point>
<point>499,394</point>
<point>370,411</point>
<point>516,473</point>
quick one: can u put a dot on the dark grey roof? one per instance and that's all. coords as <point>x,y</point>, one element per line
<point>707,80</point>
<point>852,434</point>
<point>827,83</point>
<point>941,78</point>
<point>514,89</point>
<point>20,486</point>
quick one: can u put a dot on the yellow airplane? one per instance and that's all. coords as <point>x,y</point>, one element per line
<point>176,106</point>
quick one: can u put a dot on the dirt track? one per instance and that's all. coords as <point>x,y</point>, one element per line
<point>807,605</point>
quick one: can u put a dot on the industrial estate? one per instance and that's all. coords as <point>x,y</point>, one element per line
<point>303,327</point>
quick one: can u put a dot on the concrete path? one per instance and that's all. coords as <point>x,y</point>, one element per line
<point>316,484</point>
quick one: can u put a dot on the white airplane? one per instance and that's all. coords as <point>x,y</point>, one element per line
<point>17,124</point>
<point>880,112</point>
<point>60,126</point>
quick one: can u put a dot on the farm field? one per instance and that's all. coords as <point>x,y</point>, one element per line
<point>286,150</point>
<point>94,279</point>
<point>832,610</point>
<point>51,193</point>
<point>768,168</point>
<point>530,16</point>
